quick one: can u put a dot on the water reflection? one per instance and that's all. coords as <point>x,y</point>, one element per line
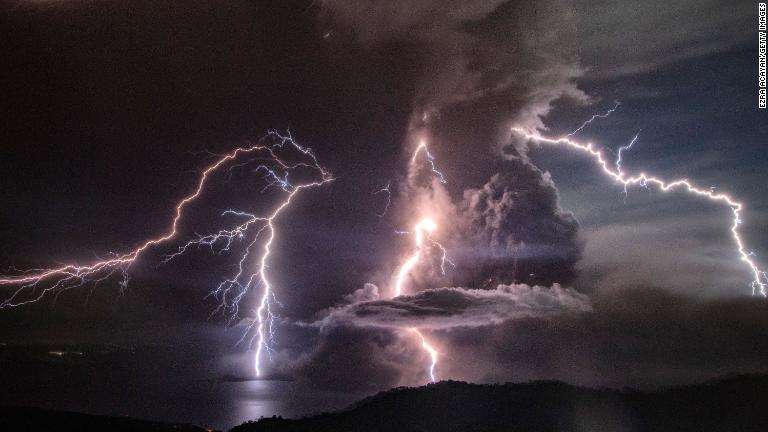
<point>250,400</point>
<point>150,386</point>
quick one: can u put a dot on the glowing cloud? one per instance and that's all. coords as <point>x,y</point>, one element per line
<point>449,308</point>
<point>428,226</point>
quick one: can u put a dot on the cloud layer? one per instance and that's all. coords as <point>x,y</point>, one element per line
<point>638,337</point>
<point>446,308</point>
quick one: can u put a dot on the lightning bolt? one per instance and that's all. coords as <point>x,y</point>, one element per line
<point>422,233</point>
<point>385,190</point>
<point>427,226</point>
<point>430,350</point>
<point>422,147</point>
<point>618,159</point>
<point>624,148</point>
<point>230,291</point>
<point>759,276</point>
<point>593,118</point>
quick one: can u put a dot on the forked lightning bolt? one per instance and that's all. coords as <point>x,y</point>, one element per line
<point>41,282</point>
<point>430,159</point>
<point>422,231</point>
<point>759,276</point>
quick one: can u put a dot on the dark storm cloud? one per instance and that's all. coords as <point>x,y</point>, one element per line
<point>471,50</point>
<point>635,336</point>
<point>483,66</point>
<point>486,65</point>
<point>509,230</point>
<point>445,308</point>
<point>614,37</point>
<point>514,229</point>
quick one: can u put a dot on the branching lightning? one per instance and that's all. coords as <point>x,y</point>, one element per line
<point>430,159</point>
<point>42,282</point>
<point>422,232</point>
<point>759,276</point>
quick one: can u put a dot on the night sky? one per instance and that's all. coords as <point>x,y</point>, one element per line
<point>111,109</point>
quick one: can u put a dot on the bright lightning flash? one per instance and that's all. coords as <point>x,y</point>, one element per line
<point>760,280</point>
<point>428,226</point>
<point>430,350</point>
<point>42,282</point>
<point>422,232</point>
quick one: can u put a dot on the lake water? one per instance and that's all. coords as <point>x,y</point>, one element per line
<point>151,387</point>
<point>248,400</point>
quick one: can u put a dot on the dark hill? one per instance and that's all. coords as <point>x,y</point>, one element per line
<point>34,419</point>
<point>734,404</point>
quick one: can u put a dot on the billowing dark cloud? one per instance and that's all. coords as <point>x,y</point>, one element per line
<point>514,229</point>
<point>445,308</point>
<point>483,67</point>
<point>471,50</point>
<point>509,230</point>
<point>612,39</point>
